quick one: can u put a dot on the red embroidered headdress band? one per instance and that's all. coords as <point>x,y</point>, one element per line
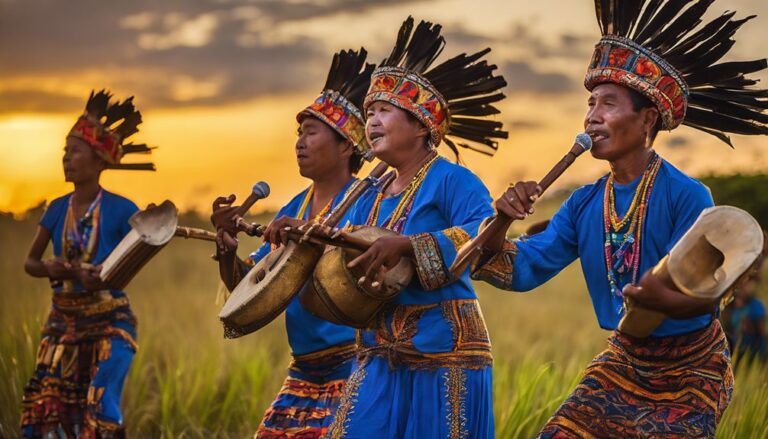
<point>651,46</point>
<point>622,61</point>
<point>451,99</point>
<point>339,103</point>
<point>105,125</point>
<point>412,93</point>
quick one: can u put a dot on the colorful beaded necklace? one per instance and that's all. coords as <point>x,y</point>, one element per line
<point>623,235</point>
<point>325,211</point>
<point>305,203</point>
<point>396,220</point>
<point>81,235</point>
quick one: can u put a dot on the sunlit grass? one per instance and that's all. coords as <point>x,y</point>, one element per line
<point>187,381</point>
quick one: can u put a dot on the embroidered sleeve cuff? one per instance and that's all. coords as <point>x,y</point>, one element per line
<point>497,269</point>
<point>429,261</point>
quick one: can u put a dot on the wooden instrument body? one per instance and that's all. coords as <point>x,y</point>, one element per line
<point>268,288</point>
<point>708,262</point>
<point>151,230</point>
<point>335,294</point>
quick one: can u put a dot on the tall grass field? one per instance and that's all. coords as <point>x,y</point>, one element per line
<point>188,381</point>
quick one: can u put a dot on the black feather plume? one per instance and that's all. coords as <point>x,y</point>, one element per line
<point>97,104</point>
<point>466,82</point>
<point>720,100</point>
<point>122,120</point>
<point>350,75</point>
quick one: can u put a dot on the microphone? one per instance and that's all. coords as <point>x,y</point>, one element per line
<point>471,250</point>
<point>260,190</point>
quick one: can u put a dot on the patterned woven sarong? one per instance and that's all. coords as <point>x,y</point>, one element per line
<point>86,349</point>
<point>310,395</point>
<point>671,387</point>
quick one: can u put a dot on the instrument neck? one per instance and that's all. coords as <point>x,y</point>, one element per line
<point>359,189</point>
<point>325,191</point>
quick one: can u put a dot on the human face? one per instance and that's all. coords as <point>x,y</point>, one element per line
<point>81,163</point>
<point>394,136</point>
<point>319,150</point>
<point>614,125</point>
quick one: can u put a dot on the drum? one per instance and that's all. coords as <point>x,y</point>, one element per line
<point>335,294</point>
<point>271,284</point>
<point>708,261</point>
<point>268,288</point>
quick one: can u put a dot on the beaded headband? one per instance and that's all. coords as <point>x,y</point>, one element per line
<point>621,61</point>
<point>657,48</point>
<point>412,93</point>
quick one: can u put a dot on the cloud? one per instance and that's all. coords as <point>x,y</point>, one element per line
<point>36,101</point>
<point>523,78</point>
<point>181,32</point>
<point>169,54</point>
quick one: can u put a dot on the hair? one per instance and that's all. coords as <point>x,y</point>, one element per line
<point>638,103</point>
<point>356,159</point>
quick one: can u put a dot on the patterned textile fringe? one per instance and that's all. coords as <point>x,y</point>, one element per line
<point>58,398</point>
<point>675,386</point>
<point>304,408</point>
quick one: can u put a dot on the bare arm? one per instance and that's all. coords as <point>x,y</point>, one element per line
<point>57,268</point>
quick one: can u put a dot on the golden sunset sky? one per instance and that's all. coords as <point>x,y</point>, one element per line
<point>219,83</point>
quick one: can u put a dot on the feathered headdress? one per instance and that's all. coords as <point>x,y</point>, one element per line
<point>651,46</point>
<point>450,99</point>
<point>342,97</point>
<point>105,125</point>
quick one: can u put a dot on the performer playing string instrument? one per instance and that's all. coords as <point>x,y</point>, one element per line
<point>89,338</point>
<point>649,72</point>
<point>329,150</point>
<point>424,365</point>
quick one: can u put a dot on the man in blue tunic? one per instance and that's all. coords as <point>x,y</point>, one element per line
<point>329,150</point>
<point>648,73</point>
<point>89,337</point>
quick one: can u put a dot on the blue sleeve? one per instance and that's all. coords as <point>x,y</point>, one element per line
<point>53,213</point>
<point>756,310</point>
<point>523,265</point>
<point>688,204</point>
<point>543,255</point>
<point>358,213</point>
<point>128,209</point>
<point>465,203</point>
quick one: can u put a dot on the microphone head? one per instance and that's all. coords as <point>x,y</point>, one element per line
<point>261,189</point>
<point>584,141</point>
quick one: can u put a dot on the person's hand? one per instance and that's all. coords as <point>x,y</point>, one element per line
<point>383,255</point>
<point>517,201</point>
<point>275,232</point>
<point>89,278</point>
<point>60,268</point>
<point>224,214</point>
<point>654,294</point>
<point>225,242</point>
